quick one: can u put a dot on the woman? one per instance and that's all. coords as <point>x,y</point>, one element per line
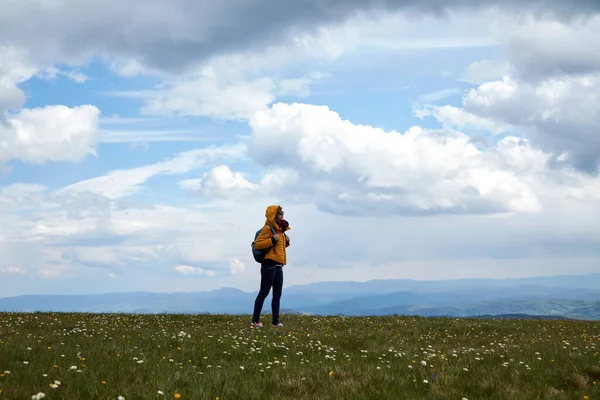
<point>271,269</point>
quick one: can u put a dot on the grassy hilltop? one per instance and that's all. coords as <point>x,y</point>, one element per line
<point>103,356</point>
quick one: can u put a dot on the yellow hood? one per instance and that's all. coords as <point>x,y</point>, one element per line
<point>271,213</point>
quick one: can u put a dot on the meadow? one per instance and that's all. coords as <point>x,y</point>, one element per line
<point>125,356</point>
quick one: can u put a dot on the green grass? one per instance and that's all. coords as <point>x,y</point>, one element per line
<point>206,356</point>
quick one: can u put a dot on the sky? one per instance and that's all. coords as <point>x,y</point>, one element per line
<point>141,141</point>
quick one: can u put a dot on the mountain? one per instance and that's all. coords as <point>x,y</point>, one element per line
<point>572,296</point>
<point>573,282</point>
<point>584,310</point>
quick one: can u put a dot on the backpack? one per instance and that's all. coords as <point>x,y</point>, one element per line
<point>259,255</point>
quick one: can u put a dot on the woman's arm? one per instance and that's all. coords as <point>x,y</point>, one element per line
<point>265,239</point>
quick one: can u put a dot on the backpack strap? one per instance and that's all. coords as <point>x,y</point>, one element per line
<point>272,229</point>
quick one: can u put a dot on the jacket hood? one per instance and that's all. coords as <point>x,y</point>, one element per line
<point>271,213</point>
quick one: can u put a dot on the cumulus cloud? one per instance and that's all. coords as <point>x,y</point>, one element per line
<point>559,115</point>
<point>52,133</point>
<point>546,90</point>
<point>358,169</point>
<point>219,181</point>
<point>222,182</point>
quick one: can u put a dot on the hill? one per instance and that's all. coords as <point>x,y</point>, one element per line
<point>573,296</point>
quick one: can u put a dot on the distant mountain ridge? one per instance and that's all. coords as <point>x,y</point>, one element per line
<point>568,296</point>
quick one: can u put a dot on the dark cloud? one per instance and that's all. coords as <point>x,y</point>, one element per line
<point>173,35</point>
<point>549,49</point>
<point>561,116</point>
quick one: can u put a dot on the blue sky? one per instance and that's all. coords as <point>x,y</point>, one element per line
<point>401,144</point>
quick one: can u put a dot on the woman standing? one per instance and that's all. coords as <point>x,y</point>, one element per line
<point>271,269</point>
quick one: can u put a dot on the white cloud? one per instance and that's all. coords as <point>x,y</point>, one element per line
<point>122,183</point>
<point>486,70</point>
<point>222,182</point>
<point>15,68</point>
<point>456,117</point>
<point>219,181</point>
<point>335,178</point>
<point>77,77</point>
<point>237,267</point>
<point>205,96</point>
<point>53,72</point>
<point>21,194</point>
<point>219,93</point>
<point>139,242</point>
<point>361,170</point>
<point>439,95</point>
<point>560,115</point>
<point>12,270</point>
<point>130,68</point>
<point>192,271</point>
<point>51,272</point>
<point>51,133</point>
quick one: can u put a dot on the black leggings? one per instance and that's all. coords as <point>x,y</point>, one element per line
<point>270,276</point>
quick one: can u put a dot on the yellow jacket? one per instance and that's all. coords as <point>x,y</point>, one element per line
<point>277,253</point>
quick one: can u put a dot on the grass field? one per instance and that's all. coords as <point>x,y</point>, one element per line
<point>104,356</point>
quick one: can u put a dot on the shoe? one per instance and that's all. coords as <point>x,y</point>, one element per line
<point>256,325</point>
<point>279,325</point>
